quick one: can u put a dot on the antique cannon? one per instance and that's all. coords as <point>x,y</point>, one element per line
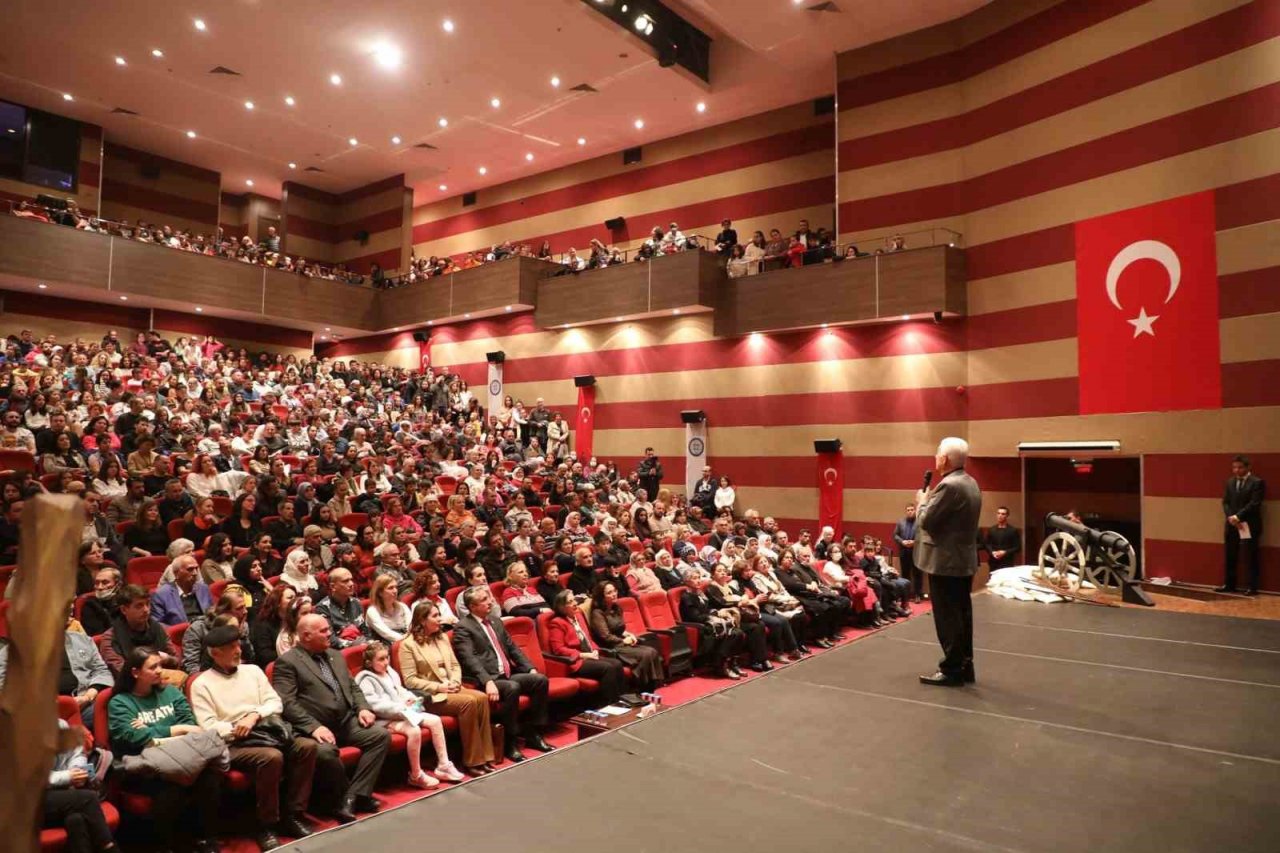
<point>1074,552</point>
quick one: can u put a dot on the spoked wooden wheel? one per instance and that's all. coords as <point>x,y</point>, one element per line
<point>1111,566</point>
<point>1062,562</point>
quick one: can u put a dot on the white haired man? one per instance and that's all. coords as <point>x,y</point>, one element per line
<point>946,548</point>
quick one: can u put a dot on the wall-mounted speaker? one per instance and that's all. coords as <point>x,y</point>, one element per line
<point>693,416</point>
<point>421,337</point>
<point>824,106</point>
<point>362,237</point>
<point>632,155</point>
<point>495,357</point>
<point>468,199</point>
<point>584,381</point>
<point>615,224</point>
<point>827,445</point>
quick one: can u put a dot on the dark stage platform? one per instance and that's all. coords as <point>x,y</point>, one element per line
<point>1090,729</point>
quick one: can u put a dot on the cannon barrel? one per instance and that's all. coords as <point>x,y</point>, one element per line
<point>1102,538</point>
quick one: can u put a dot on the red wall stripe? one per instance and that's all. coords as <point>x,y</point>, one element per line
<point>996,49</point>
<point>1251,383</point>
<point>504,326</point>
<point>159,204</point>
<point>1201,42</point>
<point>1248,202</point>
<point>355,347</point>
<point>90,174</point>
<point>239,329</point>
<point>1200,475</point>
<point>310,229</point>
<point>310,193</point>
<point>388,260</point>
<point>58,308</point>
<point>1231,118</point>
<point>751,153</point>
<point>1251,292</point>
<point>392,182</point>
<point>114,151</point>
<point>1030,324</point>
<point>1202,562</point>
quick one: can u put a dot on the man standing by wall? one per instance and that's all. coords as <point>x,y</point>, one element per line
<point>904,535</point>
<point>650,473</point>
<point>1002,542</point>
<point>1242,505</point>
<point>946,548</point>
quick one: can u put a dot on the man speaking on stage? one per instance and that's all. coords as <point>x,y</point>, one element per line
<point>946,549</point>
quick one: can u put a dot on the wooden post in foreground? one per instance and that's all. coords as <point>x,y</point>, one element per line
<point>29,737</point>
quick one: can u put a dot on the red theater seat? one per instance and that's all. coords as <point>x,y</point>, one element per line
<point>145,571</point>
<point>525,635</point>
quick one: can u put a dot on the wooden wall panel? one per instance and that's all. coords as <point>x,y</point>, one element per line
<point>37,250</point>
<point>684,281</point>
<point>156,271</point>
<point>317,301</point>
<point>484,289</point>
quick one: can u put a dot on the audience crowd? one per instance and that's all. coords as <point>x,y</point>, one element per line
<point>290,568</point>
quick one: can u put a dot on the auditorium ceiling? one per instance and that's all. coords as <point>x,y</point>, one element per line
<point>401,72</point>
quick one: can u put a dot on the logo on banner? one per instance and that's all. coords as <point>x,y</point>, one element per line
<point>586,413</point>
<point>696,446</point>
<point>1144,323</point>
<point>830,476</point>
<point>495,387</point>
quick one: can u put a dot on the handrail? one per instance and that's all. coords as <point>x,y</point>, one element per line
<point>226,250</point>
<point>896,241</point>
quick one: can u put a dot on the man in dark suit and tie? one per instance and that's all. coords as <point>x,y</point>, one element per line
<point>492,659</point>
<point>323,703</point>
<point>947,550</point>
<point>1242,505</point>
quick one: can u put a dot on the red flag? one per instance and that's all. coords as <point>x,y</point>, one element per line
<point>424,355</point>
<point>1147,308</point>
<point>831,490</point>
<point>586,422</point>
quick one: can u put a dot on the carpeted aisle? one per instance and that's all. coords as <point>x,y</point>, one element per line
<point>1090,729</point>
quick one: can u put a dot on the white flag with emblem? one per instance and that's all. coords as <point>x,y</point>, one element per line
<point>695,454</point>
<point>495,387</point>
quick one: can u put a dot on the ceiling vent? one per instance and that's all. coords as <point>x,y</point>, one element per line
<point>121,111</point>
<point>828,6</point>
<point>222,69</point>
<point>426,146</point>
<point>585,87</point>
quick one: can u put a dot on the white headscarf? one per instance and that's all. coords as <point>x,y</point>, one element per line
<point>295,576</point>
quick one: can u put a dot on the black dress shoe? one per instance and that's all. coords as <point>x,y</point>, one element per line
<point>939,679</point>
<point>294,827</point>
<point>367,804</point>
<point>968,675</point>
<point>1250,592</point>
<point>804,650</point>
<point>515,755</point>
<point>1231,589</point>
<point>536,742</point>
<point>267,840</point>
<point>345,813</point>
<point>761,667</point>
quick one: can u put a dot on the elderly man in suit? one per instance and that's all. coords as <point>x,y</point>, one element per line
<point>946,548</point>
<point>322,702</point>
<point>1242,506</point>
<point>492,659</point>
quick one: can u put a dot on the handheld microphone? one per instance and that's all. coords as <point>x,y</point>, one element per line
<point>928,478</point>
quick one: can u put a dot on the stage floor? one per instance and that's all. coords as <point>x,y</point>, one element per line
<point>1090,729</point>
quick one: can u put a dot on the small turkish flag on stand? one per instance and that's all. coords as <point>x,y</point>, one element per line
<point>582,431</point>
<point>1147,308</point>
<point>831,490</point>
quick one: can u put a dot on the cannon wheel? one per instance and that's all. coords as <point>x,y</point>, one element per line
<point>1062,562</point>
<point>1111,566</point>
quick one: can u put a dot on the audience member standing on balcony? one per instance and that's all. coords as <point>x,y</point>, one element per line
<point>673,240</point>
<point>727,238</point>
<point>738,265</point>
<point>755,252</point>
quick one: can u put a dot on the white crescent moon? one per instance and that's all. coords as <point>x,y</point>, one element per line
<point>1153,249</point>
<point>835,475</point>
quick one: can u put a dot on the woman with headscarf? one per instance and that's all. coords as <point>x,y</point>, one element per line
<point>297,573</point>
<point>247,571</point>
<point>667,571</point>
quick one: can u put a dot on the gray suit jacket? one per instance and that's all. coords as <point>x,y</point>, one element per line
<point>947,527</point>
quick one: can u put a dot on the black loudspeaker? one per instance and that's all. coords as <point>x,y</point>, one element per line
<point>362,237</point>
<point>937,316</point>
<point>615,224</point>
<point>693,416</point>
<point>632,155</point>
<point>495,357</point>
<point>827,445</point>
<point>468,199</point>
<point>1131,592</point>
<point>584,381</point>
<point>421,337</point>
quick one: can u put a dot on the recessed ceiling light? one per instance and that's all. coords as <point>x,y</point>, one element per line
<point>582,140</point>
<point>495,103</point>
<point>66,96</point>
<point>353,141</point>
<point>248,182</point>
<point>429,322</point>
<point>555,81</point>
<point>199,24</point>
<point>508,307</point>
<point>157,53</point>
<point>322,337</point>
<point>529,156</point>
<point>639,124</point>
<point>617,319</point>
<point>124,299</point>
<point>199,310</point>
<point>43,286</point>
<point>120,61</point>
<point>483,170</point>
<point>248,105</point>
<point>444,122</point>
<point>447,25</point>
<point>327,329</point>
<point>293,165</point>
<point>443,188</point>
<point>701,107</point>
<point>289,101</point>
<point>395,140</point>
<point>335,79</point>
<point>675,310</point>
<point>11,130</point>
<point>466,316</point>
<point>191,134</point>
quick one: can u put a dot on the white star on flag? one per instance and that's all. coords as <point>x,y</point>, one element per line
<point>1142,324</point>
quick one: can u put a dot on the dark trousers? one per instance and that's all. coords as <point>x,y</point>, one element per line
<point>607,671</point>
<point>911,573</point>
<point>714,650</point>
<point>953,620</point>
<point>781,637</point>
<point>756,642</point>
<point>170,800</point>
<point>295,765</point>
<point>825,615</point>
<point>77,811</point>
<point>1233,543</point>
<point>533,685</point>
<point>373,743</point>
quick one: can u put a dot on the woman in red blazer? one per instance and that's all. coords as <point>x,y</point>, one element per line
<point>568,637</point>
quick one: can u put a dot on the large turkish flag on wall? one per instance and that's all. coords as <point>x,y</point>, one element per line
<point>831,491</point>
<point>1147,308</point>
